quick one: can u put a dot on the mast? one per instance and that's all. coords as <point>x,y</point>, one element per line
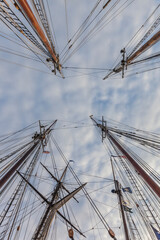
<point>52,207</point>
<point>128,61</point>
<point>138,50</point>
<point>32,19</point>
<point>146,205</point>
<point>6,177</point>
<point>37,138</point>
<point>138,168</point>
<point>120,198</point>
<point>153,40</point>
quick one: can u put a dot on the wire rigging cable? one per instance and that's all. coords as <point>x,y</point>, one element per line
<point>32,22</point>
<point>146,38</point>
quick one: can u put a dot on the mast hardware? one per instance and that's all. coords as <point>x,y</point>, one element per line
<point>151,183</point>
<point>31,18</point>
<point>111,233</point>
<point>123,62</point>
<point>57,66</point>
<point>71,233</point>
<point>104,127</point>
<point>16,6</point>
<point>52,207</point>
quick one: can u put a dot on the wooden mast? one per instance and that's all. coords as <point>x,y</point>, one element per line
<point>120,67</point>
<point>138,168</point>
<point>30,15</point>
<point>120,198</point>
<point>38,138</point>
<point>52,207</point>
<point>153,40</point>
<point>6,177</point>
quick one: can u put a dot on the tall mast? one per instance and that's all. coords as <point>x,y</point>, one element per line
<point>153,40</point>
<point>52,207</point>
<point>36,141</point>
<point>24,6</point>
<point>138,168</point>
<point>7,176</point>
<point>138,50</point>
<point>120,198</point>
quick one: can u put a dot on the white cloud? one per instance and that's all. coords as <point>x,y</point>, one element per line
<point>27,95</point>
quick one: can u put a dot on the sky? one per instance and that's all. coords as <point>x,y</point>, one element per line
<point>27,95</point>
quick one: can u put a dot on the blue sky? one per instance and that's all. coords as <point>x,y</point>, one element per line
<point>27,95</point>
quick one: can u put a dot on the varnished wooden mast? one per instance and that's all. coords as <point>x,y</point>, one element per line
<point>153,40</point>
<point>30,15</point>
<point>148,44</point>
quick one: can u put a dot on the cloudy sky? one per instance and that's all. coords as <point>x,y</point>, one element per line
<point>28,95</point>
